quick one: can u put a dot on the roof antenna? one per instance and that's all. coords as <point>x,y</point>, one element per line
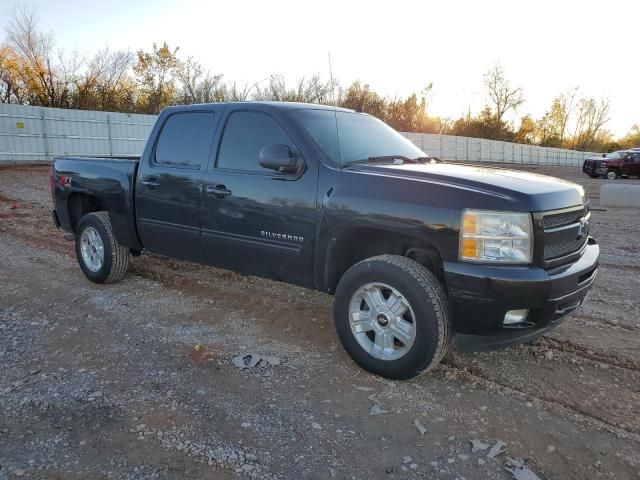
<point>333,87</point>
<point>335,110</point>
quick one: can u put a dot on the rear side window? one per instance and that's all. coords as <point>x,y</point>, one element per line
<point>245,134</point>
<point>185,140</point>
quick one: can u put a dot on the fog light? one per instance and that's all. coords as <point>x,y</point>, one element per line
<point>515,316</point>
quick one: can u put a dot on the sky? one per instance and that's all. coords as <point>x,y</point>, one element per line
<point>397,47</point>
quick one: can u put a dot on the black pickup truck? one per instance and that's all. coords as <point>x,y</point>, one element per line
<point>419,253</point>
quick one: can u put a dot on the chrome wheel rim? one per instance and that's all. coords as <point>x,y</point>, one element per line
<point>382,321</point>
<point>611,175</point>
<point>92,249</point>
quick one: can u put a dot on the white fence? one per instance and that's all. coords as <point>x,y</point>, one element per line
<point>36,133</point>
<point>449,147</point>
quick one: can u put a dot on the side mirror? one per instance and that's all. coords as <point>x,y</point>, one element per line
<point>279,158</point>
<point>604,155</point>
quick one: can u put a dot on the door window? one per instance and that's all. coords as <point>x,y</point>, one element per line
<point>185,140</point>
<point>245,134</point>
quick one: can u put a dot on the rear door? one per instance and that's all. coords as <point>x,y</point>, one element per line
<point>169,185</point>
<point>634,163</point>
<point>257,221</point>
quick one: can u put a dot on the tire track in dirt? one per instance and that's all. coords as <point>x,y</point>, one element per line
<point>462,373</point>
<point>567,346</point>
<point>620,260</point>
<point>606,322</point>
<point>6,199</point>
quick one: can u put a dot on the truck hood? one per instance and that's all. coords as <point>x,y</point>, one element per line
<point>524,191</point>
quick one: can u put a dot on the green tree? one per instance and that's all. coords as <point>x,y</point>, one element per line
<point>106,83</point>
<point>527,131</point>
<point>307,90</point>
<point>196,86</point>
<point>631,139</point>
<point>31,66</point>
<point>407,115</point>
<point>156,72</point>
<point>485,125</point>
<point>362,99</point>
<point>591,116</point>
<point>553,127</point>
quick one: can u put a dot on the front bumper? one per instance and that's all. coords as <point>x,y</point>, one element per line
<point>595,170</point>
<point>481,295</point>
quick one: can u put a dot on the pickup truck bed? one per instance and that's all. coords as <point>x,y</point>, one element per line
<point>100,184</point>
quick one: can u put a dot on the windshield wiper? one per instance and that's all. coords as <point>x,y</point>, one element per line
<point>396,159</point>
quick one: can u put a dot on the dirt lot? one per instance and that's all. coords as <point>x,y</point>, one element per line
<point>104,382</point>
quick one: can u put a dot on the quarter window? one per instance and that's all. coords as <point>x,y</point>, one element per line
<point>185,140</point>
<point>245,134</point>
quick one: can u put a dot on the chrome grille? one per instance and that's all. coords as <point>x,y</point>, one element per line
<point>565,232</point>
<point>556,250</point>
<point>566,218</point>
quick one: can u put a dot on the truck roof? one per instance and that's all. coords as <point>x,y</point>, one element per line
<point>280,105</point>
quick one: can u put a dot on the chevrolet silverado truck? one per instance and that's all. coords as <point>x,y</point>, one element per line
<point>622,163</point>
<point>420,254</point>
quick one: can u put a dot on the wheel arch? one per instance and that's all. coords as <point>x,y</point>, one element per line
<point>361,242</point>
<point>79,204</point>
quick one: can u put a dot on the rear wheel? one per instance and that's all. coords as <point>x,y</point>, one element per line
<point>391,315</point>
<point>612,175</point>
<point>101,258</point>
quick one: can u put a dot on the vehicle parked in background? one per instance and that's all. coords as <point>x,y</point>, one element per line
<point>419,253</point>
<point>622,163</point>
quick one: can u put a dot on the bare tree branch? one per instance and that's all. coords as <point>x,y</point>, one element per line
<point>502,95</point>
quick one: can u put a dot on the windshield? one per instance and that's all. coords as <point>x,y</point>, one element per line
<point>359,136</point>
<point>618,154</point>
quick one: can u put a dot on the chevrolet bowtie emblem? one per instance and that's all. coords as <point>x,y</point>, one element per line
<point>583,229</point>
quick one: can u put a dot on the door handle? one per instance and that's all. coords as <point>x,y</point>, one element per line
<point>218,191</point>
<point>150,182</point>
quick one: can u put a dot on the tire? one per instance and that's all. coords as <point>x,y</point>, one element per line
<point>423,303</point>
<point>592,175</point>
<point>101,258</point>
<point>612,175</point>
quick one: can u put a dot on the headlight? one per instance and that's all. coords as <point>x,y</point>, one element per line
<point>498,237</point>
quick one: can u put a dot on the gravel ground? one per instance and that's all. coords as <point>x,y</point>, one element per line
<point>107,381</point>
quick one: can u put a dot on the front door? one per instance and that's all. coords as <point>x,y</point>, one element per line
<point>169,185</point>
<point>257,221</point>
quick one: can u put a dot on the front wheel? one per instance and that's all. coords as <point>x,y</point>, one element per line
<point>101,258</point>
<point>612,175</point>
<point>392,316</point>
